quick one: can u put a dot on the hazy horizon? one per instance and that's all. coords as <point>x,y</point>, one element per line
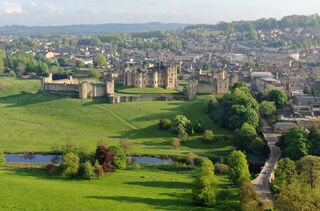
<point>76,12</point>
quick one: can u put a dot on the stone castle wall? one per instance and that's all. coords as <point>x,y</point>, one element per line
<point>119,99</point>
<point>61,87</point>
<point>205,89</point>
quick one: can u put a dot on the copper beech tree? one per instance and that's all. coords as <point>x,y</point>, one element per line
<point>105,158</point>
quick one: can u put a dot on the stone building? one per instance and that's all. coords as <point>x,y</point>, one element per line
<point>161,75</point>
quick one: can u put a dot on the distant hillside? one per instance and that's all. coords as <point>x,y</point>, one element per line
<point>89,29</point>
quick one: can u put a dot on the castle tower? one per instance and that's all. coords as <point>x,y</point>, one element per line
<point>192,89</point>
<point>83,90</point>
<point>155,80</point>
<point>109,87</point>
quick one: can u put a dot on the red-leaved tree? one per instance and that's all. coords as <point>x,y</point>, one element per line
<point>105,157</point>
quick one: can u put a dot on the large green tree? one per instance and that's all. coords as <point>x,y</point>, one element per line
<point>204,185</point>
<point>285,174</point>
<point>296,144</point>
<point>2,57</point>
<point>308,169</point>
<point>238,167</point>
<point>268,108</point>
<point>278,96</point>
<point>100,60</point>
<point>70,164</point>
<point>314,137</point>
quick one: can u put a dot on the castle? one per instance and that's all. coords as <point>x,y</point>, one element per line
<point>164,76</point>
<point>215,81</point>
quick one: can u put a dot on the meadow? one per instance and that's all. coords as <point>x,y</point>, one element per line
<point>39,121</point>
<point>150,187</point>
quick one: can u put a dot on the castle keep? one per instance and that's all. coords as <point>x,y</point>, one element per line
<point>164,76</point>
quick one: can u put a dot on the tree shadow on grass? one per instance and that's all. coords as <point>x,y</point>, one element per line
<point>162,184</point>
<point>26,98</point>
<point>182,203</point>
<point>97,101</point>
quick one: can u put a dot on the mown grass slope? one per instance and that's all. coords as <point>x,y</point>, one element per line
<point>150,188</point>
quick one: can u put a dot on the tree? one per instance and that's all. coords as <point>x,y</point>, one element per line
<point>211,103</point>
<point>95,73</point>
<point>285,174</point>
<point>250,200</point>
<point>278,96</point>
<point>238,84</point>
<point>179,71</point>
<point>2,158</point>
<point>204,185</point>
<point>80,63</point>
<point>238,167</point>
<point>175,143</point>
<point>70,164</point>
<point>105,158</point>
<point>257,146</point>
<point>165,124</point>
<point>190,157</point>
<point>296,144</point>
<point>182,134</point>
<point>88,170</point>
<point>12,73</point>
<point>198,127</point>
<point>181,121</point>
<point>126,145</point>
<point>63,62</point>
<point>308,169</point>
<point>295,197</point>
<point>121,161</point>
<point>245,135</point>
<point>222,168</point>
<point>207,66</point>
<point>307,90</point>
<point>20,69</point>
<point>314,138</point>
<point>268,108</point>
<point>100,60</point>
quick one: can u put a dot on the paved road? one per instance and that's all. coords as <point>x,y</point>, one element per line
<point>262,181</point>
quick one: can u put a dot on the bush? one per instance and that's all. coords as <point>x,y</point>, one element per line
<point>208,136</point>
<point>165,124</point>
<point>12,73</point>
<point>98,172</point>
<point>175,143</point>
<point>88,171</point>
<point>121,161</point>
<point>70,164</point>
<point>51,169</point>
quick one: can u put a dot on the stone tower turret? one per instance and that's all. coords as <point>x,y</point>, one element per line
<point>83,90</point>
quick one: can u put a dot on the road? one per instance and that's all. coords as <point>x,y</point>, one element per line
<point>262,181</point>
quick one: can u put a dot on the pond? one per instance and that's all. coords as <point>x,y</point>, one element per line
<point>43,158</point>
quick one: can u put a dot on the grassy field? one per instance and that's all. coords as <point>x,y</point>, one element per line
<point>10,86</point>
<point>153,187</point>
<point>147,90</point>
<point>39,121</point>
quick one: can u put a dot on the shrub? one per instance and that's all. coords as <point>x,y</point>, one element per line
<point>208,136</point>
<point>98,172</point>
<point>12,73</point>
<point>88,171</point>
<point>2,158</point>
<point>222,168</point>
<point>176,143</point>
<point>165,124</point>
<point>126,145</point>
<point>121,161</point>
<point>70,164</point>
<point>250,200</point>
<point>51,169</point>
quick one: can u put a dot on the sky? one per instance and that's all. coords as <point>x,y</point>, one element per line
<point>68,12</point>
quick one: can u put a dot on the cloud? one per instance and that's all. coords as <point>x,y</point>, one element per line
<point>10,8</point>
<point>47,8</point>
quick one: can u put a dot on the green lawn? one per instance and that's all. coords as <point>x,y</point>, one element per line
<point>133,90</point>
<point>11,86</point>
<point>150,188</point>
<point>60,117</point>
